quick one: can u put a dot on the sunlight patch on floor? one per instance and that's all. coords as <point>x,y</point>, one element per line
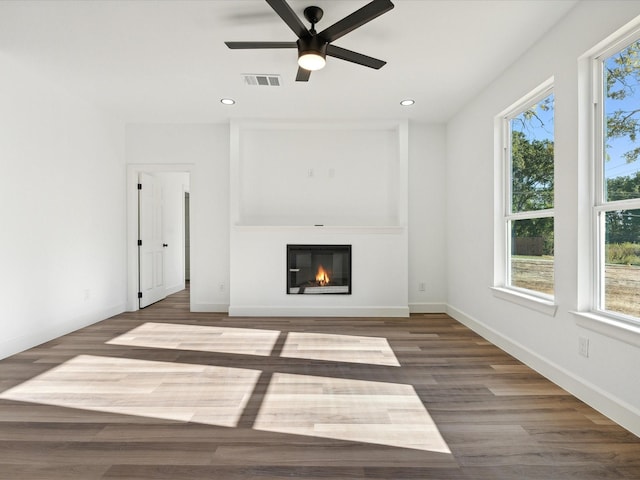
<point>241,341</point>
<point>382,413</point>
<point>354,410</point>
<point>339,348</point>
<point>166,390</point>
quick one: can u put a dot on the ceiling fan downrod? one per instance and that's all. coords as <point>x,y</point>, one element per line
<point>313,15</point>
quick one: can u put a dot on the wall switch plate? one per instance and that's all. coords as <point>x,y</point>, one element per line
<point>583,346</point>
<point>422,287</point>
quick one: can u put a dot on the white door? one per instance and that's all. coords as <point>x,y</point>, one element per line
<point>150,244</point>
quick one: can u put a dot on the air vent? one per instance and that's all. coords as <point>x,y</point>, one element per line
<point>261,80</point>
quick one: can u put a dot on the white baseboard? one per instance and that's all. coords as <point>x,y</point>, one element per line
<point>267,311</point>
<point>209,307</point>
<point>427,307</point>
<point>616,409</point>
<point>19,344</point>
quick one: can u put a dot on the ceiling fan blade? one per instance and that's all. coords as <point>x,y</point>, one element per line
<point>282,8</point>
<point>245,45</point>
<point>356,19</point>
<point>303,75</point>
<point>354,57</point>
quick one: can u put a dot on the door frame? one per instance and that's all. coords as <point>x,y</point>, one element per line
<point>132,219</point>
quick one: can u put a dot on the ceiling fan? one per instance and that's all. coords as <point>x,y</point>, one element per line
<point>313,47</point>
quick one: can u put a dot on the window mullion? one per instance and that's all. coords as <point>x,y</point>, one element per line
<point>630,204</point>
<point>530,214</point>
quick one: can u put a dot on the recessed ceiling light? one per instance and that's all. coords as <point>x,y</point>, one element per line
<point>407,102</point>
<point>227,101</point>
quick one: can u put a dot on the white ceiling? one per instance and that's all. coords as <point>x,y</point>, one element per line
<point>165,60</point>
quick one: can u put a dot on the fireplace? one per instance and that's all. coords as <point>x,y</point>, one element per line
<point>319,269</point>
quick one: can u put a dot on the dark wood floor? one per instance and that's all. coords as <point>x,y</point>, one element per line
<point>498,418</point>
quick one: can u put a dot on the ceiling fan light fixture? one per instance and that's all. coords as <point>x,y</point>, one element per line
<point>312,53</point>
<point>311,61</point>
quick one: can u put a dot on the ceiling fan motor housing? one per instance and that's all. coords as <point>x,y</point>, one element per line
<point>312,44</point>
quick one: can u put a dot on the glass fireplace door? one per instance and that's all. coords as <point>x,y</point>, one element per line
<point>318,269</point>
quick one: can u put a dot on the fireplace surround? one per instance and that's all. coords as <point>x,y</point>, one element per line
<point>319,269</point>
<point>352,190</point>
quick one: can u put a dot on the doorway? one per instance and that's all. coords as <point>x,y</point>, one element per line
<point>158,235</point>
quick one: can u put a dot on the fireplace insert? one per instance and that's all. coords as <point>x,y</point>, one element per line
<point>319,269</point>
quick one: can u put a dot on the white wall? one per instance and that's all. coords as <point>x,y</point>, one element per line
<point>427,218</point>
<point>329,174</point>
<point>62,176</point>
<point>202,149</point>
<point>547,343</point>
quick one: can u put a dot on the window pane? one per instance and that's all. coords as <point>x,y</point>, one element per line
<point>531,260</point>
<point>622,121</point>
<point>532,157</point>
<point>622,262</point>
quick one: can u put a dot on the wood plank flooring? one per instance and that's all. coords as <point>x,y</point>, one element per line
<point>167,394</point>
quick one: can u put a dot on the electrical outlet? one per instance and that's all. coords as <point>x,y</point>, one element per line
<point>583,346</point>
<point>310,173</point>
<point>422,287</point>
<point>221,287</point>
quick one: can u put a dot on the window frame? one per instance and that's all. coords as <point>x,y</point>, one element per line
<point>508,216</point>
<point>600,206</point>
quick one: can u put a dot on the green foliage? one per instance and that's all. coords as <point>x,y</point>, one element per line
<point>622,226</point>
<point>532,173</point>
<point>623,187</point>
<point>626,253</point>
<point>622,82</point>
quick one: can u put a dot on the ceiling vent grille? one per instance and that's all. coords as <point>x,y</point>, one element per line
<point>261,80</point>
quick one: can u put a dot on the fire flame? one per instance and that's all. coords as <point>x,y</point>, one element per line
<point>322,278</point>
